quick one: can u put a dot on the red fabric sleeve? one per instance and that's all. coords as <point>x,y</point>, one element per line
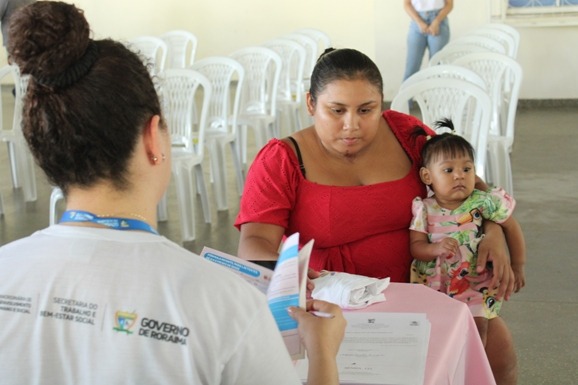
<point>270,188</point>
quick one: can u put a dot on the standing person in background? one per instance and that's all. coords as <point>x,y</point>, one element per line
<point>101,297</point>
<point>429,28</point>
<point>7,8</point>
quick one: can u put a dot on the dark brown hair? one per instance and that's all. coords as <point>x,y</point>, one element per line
<point>87,101</point>
<point>343,64</point>
<point>446,144</point>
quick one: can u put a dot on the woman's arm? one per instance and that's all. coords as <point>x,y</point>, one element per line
<point>493,248</point>
<point>414,15</point>
<point>434,27</point>
<point>260,241</point>
<point>322,338</point>
<point>517,247</point>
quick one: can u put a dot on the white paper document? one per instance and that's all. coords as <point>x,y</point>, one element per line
<point>284,287</point>
<point>382,348</point>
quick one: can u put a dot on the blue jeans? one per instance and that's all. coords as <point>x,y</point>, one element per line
<point>417,42</point>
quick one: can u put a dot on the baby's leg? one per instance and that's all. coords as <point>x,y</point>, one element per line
<point>482,325</point>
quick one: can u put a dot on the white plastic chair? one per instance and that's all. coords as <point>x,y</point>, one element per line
<point>227,77</point>
<point>311,51</point>
<point>501,37</point>
<point>513,32</point>
<point>153,51</point>
<point>483,41</point>
<point>321,38</point>
<point>180,90</point>
<point>468,106</point>
<point>445,71</point>
<point>181,48</point>
<point>450,53</point>
<point>259,95</point>
<point>503,77</point>
<point>290,93</point>
<point>21,162</point>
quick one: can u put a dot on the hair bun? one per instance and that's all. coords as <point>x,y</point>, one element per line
<point>47,37</point>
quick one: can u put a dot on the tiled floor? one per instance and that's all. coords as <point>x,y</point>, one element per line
<point>543,317</point>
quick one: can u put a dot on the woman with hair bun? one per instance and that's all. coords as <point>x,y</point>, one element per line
<point>102,297</point>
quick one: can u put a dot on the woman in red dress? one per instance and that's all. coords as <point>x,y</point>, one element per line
<point>348,182</point>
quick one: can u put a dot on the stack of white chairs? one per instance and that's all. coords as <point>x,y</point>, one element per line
<point>450,53</point>
<point>504,38</point>
<point>227,78</point>
<point>180,90</point>
<point>321,38</point>
<point>153,51</point>
<point>503,76</point>
<point>21,162</point>
<point>258,108</point>
<point>290,93</point>
<point>462,101</point>
<point>483,41</point>
<point>181,48</point>
<point>507,29</point>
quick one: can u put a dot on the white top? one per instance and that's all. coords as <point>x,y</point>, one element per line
<point>427,5</point>
<point>82,305</point>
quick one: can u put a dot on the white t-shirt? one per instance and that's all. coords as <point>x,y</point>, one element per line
<point>83,305</point>
<point>427,5</point>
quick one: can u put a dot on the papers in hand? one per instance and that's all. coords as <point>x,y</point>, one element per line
<point>284,287</point>
<point>349,291</point>
<point>381,348</point>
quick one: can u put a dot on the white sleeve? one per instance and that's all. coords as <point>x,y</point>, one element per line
<point>261,357</point>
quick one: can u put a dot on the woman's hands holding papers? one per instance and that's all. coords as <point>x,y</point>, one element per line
<point>321,337</point>
<point>311,274</point>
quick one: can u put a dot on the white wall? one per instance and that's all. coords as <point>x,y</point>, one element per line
<point>376,27</point>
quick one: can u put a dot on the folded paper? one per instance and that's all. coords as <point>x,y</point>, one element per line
<point>349,291</point>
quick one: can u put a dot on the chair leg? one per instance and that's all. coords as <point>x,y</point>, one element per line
<point>500,167</point>
<point>238,167</point>
<point>218,168</point>
<point>202,189</point>
<point>162,211</point>
<point>13,164</point>
<point>26,170</point>
<point>242,134</point>
<point>185,193</point>
<point>55,196</point>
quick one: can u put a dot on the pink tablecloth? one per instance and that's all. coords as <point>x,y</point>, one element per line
<point>456,355</point>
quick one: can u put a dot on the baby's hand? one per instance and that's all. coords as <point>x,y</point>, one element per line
<point>520,277</point>
<point>447,247</point>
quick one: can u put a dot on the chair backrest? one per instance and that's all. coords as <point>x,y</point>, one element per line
<point>262,73</point>
<point>181,48</point>
<point>180,90</point>
<point>153,51</point>
<point>500,36</point>
<point>509,30</point>
<point>293,58</point>
<point>450,53</point>
<point>311,50</point>
<point>445,71</point>
<point>227,77</point>
<point>468,106</point>
<point>503,77</point>
<point>483,41</point>
<point>321,38</point>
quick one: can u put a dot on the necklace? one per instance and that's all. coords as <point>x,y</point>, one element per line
<point>110,221</point>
